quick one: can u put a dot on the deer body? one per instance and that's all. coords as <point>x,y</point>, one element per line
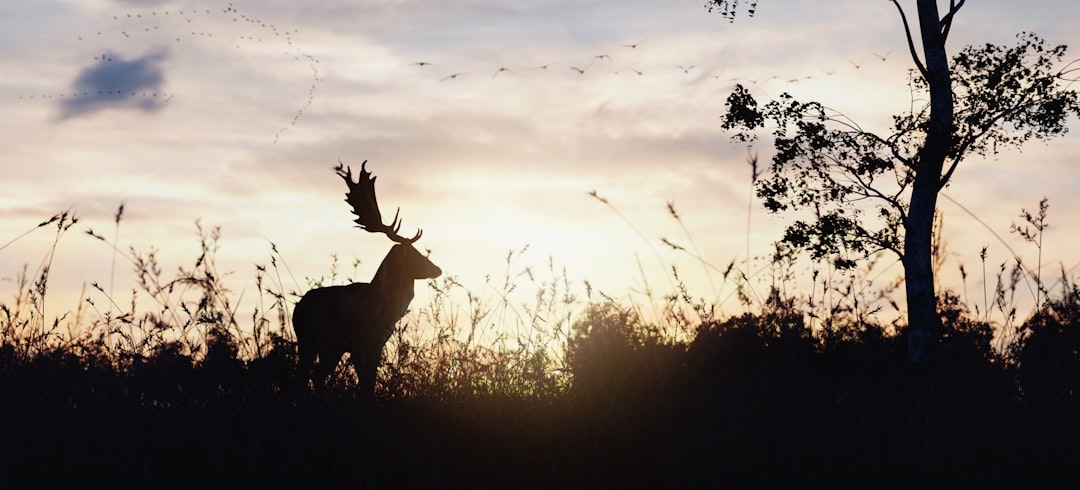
<point>359,318</point>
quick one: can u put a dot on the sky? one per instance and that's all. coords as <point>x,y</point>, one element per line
<point>487,122</point>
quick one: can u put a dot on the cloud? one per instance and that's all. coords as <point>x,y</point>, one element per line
<point>116,83</point>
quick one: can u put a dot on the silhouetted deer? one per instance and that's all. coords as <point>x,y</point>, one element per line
<point>359,318</point>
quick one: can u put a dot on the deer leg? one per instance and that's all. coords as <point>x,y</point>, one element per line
<point>306,361</point>
<point>366,366</point>
<point>304,365</point>
<point>325,367</point>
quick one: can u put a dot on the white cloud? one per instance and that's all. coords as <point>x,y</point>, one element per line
<point>266,99</point>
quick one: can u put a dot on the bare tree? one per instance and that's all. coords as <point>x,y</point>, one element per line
<point>358,318</point>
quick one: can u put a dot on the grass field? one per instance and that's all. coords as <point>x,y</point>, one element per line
<point>176,389</point>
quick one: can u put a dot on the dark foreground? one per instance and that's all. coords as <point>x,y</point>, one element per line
<point>746,405</point>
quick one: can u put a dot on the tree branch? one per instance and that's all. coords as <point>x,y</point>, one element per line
<point>946,22</point>
<point>891,145</point>
<point>871,192</point>
<point>985,128</point>
<point>910,40</point>
<point>870,237</point>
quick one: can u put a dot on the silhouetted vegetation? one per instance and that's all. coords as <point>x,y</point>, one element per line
<point>174,391</point>
<point>865,193</point>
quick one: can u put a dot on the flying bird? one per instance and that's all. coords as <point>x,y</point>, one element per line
<point>579,70</point>
<point>633,46</point>
<point>686,69</point>
<point>421,63</point>
<point>500,70</point>
<point>453,76</point>
<point>882,56</point>
<point>601,56</point>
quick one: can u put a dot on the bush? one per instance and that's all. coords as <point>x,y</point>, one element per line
<point>1050,354</point>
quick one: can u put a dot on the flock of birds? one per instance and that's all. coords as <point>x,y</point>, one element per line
<point>132,22</point>
<point>180,26</point>
<point>240,30</point>
<point>580,69</point>
<point>605,63</point>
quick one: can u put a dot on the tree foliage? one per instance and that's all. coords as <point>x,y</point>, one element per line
<point>857,183</point>
<point>729,8</point>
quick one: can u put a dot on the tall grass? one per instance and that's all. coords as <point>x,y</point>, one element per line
<point>534,379</point>
<point>26,327</point>
<point>511,334</point>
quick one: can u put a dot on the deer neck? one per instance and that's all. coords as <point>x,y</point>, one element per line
<point>395,285</point>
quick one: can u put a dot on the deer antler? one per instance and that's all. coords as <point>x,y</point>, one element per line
<point>361,197</point>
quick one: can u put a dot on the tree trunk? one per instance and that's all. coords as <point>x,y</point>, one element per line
<point>924,324</point>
